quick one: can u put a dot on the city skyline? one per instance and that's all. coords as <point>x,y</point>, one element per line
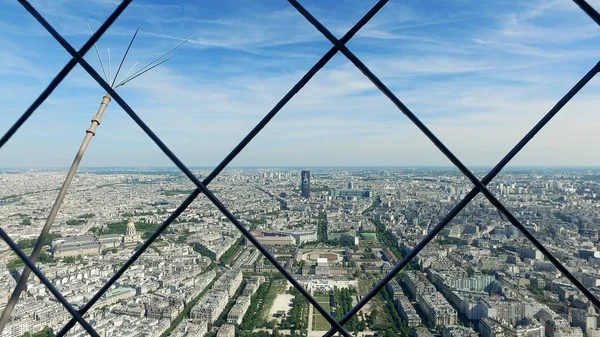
<point>477,275</point>
<point>478,75</point>
<point>336,215</point>
<point>509,167</point>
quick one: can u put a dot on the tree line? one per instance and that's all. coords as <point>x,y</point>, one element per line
<point>253,318</point>
<point>297,320</point>
<point>343,303</point>
<point>386,320</point>
<point>30,243</point>
<point>47,332</point>
<point>232,252</point>
<point>185,313</point>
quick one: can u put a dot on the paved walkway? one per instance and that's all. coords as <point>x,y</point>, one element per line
<point>310,312</point>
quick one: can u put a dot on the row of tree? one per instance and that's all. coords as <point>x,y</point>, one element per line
<point>297,320</point>
<point>188,307</point>
<point>387,320</point>
<point>146,229</point>
<point>47,332</point>
<point>376,203</point>
<point>387,238</point>
<point>233,251</point>
<point>17,263</point>
<point>343,303</point>
<point>30,243</point>
<point>253,318</point>
<point>322,227</point>
<point>261,333</point>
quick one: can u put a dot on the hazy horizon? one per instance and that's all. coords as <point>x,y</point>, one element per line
<point>385,236</point>
<point>168,168</point>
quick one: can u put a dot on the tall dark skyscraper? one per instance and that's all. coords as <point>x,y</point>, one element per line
<point>305,184</point>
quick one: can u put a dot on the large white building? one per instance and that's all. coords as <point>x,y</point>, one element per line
<point>302,236</point>
<point>437,309</point>
<point>274,240</point>
<point>226,330</point>
<point>132,237</point>
<point>76,245</point>
<point>237,312</point>
<point>322,267</point>
<point>230,281</point>
<point>527,327</point>
<point>210,306</point>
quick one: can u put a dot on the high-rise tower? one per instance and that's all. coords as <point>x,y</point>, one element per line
<point>305,184</point>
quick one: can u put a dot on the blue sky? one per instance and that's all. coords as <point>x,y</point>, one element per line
<point>479,74</point>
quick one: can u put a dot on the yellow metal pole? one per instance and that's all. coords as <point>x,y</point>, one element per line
<point>22,284</point>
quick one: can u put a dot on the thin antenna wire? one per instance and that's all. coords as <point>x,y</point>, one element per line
<point>124,56</point>
<point>109,72</point>
<point>98,54</point>
<point>90,132</point>
<point>130,69</point>
<point>143,72</point>
<point>160,57</point>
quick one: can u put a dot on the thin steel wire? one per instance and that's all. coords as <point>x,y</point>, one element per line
<point>98,54</point>
<point>463,203</point>
<point>152,64</point>
<point>178,163</point>
<point>133,77</point>
<point>43,96</point>
<point>442,147</point>
<point>295,89</point>
<point>124,57</point>
<point>64,71</point>
<point>480,186</point>
<point>57,294</point>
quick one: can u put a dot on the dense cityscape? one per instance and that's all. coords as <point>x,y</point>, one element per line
<point>338,231</point>
<point>327,187</point>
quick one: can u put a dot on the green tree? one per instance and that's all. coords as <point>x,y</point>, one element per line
<point>14,264</point>
<point>30,243</point>
<point>252,319</point>
<point>47,332</point>
<point>232,252</point>
<point>45,257</point>
<point>109,250</point>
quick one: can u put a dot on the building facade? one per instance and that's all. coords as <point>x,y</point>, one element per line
<point>305,184</point>
<point>132,237</point>
<point>226,330</point>
<point>489,327</point>
<point>76,245</point>
<point>210,306</point>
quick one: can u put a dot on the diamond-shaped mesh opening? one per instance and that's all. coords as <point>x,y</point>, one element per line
<point>201,186</point>
<point>553,204</point>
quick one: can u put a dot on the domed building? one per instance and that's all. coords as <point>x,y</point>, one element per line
<point>131,238</point>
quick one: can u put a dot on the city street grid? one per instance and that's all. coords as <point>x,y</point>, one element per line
<point>338,45</point>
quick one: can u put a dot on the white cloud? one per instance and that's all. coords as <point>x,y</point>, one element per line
<point>479,90</point>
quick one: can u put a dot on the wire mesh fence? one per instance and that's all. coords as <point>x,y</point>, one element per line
<point>339,45</point>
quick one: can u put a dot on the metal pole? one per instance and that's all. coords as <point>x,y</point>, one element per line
<point>22,284</point>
